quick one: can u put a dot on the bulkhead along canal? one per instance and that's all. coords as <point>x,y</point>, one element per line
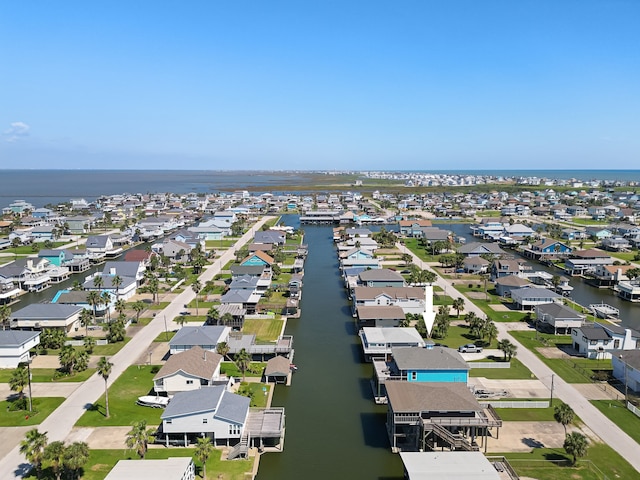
<point>334,430</point>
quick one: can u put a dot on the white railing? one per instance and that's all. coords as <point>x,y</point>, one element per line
<point>489,364</point>
<point>633,408</point>
<point>516,404</point>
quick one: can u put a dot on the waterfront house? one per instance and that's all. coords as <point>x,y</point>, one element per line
<point>277,370</point>
<point>475,264</point>
<point>527,298</point>
<point>210,412</point>
<point>475,249</point>
<point>615,244</point>
<point>380,278</point>
<point>172,468</point>
<point>432,416</point>
<point>78,225</point>
<point>189,370</point>
<point>8,290</point>
<point>598,233</point>
<point>610,275</point>
<point>600,341</point>
<point>626,369</point>
<point>550,247</point>
<point>356,253</point>
<point>270,237</point>
<point>410,299</point>
<point>258,258</point>
<point>377,342</point>
<point>414,364</point>
<point>503,267</point>
<point>629,290</point>
<point>558,317</point>
<point>101,246</point>
<point>54,257</point>
<point>15,346</point>
<point>380,316</point>
<point>206,337</point>
<point>47,315</point>
<point>245,299</point>
<point>175,250</point>
<point>413,228</point>
<point>583,261</point>
<point>449,465</point>
<point>30,274</point>
<point>129,269</point>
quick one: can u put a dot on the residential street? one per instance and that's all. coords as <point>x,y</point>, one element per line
<point>61,421</point>
<point>608,431</point>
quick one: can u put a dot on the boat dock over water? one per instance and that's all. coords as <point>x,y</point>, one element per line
<point>602,310</point>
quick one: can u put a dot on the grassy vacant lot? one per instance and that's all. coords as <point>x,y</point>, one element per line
<point>540,464</point>
<point>516,371</point>
<point>102,461</point>
<point>230,370</point>
<point>110,349</point>
<point>164,336</point>
<point>39,375</point>
<point>417,250</point>
<point>460,335</point>
<point>573,370</point>
<point>123,394</point>
<point>530,414</point>
<point>616,411</point>
<point>42,407</point>
<point>264,330</point>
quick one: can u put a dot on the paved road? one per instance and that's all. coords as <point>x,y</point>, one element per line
<point>608,431</point>
<point>60,423</point>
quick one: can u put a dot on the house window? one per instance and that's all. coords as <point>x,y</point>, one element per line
<point>168,420</point>
<point>616,343</point>
<point>414,376</point>
<point>593,342</point>
<point>205,420</point>
<point>189,382</point>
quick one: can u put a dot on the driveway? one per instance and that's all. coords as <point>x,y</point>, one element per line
<point>523,436</point>
<point>48,389</point>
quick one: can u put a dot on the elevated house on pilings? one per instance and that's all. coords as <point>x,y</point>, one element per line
<point>430,416</point>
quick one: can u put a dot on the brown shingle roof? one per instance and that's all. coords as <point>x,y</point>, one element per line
<point>430,397</point>
<point>195,361</point>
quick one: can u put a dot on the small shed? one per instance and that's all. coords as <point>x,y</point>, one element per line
<point>277,370</point>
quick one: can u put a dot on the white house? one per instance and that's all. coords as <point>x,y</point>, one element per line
<point>377,342</point>
<point>47,315</point>
<point>15,346</point>
<point>626,368</point>
<point>190,370</point>
<point>212,412</point>
<point>600,340</point>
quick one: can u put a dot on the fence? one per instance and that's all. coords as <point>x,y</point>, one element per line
<point>489,364</point>
<point>633,408</point>
<point>80,343</point>
<point>516,404</point>
<point>523,467</point>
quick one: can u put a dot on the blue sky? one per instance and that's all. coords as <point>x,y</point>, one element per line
<point>320,84</point>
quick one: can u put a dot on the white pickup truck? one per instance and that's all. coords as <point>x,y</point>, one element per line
<point>470,348</point>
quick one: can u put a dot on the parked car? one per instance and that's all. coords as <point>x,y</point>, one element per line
<point>470,348</point>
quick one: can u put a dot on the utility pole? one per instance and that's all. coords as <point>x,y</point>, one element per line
<point>29,378</point>
<point>551,402</point>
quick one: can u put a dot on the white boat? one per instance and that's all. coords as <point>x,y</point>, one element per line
<point>154,401</point>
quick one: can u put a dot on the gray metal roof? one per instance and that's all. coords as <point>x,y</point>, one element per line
<point>224,405</point>
<point>236,296</point>
<point>46,311</point>
<point>431,397</point>
<point>595,333</point>
<point>380,274</point>
<point>122,269</point>
<point>203,335</point>
<point>558,311</point>
<point>15,338</point>
<point>387,312</point>
<point>435,358</point>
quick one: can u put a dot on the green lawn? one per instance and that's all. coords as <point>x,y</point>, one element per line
<point>616,411</point>
<point>516,371</point>
<point>158,306</point>
<point>574,370</point>
<point>102,461</point>
<point>230,370</point>
<point>111,348</point>
<point>42,407</point>
<point>165,336</point>
<point>460,335</point>
<point>264,330</point>
<point>137,380</point>
<point>528,414</point>
<point>41,375</point>
<point>624,256</point>
<point>538,464</point>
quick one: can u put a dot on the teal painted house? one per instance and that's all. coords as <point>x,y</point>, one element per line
<point>55,257</point>
<point>420,365</point>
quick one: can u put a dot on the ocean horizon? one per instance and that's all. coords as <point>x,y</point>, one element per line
<point>51,186</point>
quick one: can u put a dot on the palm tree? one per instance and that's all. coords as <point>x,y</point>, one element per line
<point>243,361</point>
<point>226,319</point>
<point>32,447</point>
<point>76,456</point>
<point>89,344</point>
<point>116,281</point>
<point>575,444</point>
<point>68,357</point>
<point>120,306</point>
<point>564,414</point>
<point>222,348</point>
<point>138,307</point>
<point>196,286</point>
<point>98,282</point>
<point>154,286</point>
<point>93,299</point>
<point>106,300</point>
<point>54,454</point>
<point>407,258</point>
<point>85,320</point>
<point>204,448</point>
<point>458,304</point>
<point>508,348</point>
<point>213,315</point>
<point>104,370</point>
<point>490,331</point>
<point>5,315</point>
<point>19,380</point>
<point>138,438</point>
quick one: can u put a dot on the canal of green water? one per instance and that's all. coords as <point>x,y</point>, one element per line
<point>334,430</point>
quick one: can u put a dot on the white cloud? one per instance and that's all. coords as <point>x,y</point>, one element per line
<point>16,131</point>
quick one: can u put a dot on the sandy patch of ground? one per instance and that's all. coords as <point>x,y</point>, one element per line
<point>102,437</point>
<point>159,352</point>
<point>523,436</point>
<point>45,361</point>
<point>499,307</point>
<point>11,437</point>
<point>552,352</point>
<point>476,295</point>
<point>593,391</point>
<point>533,389</point>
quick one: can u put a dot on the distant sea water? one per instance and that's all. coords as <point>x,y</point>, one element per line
<point>42,187</point>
